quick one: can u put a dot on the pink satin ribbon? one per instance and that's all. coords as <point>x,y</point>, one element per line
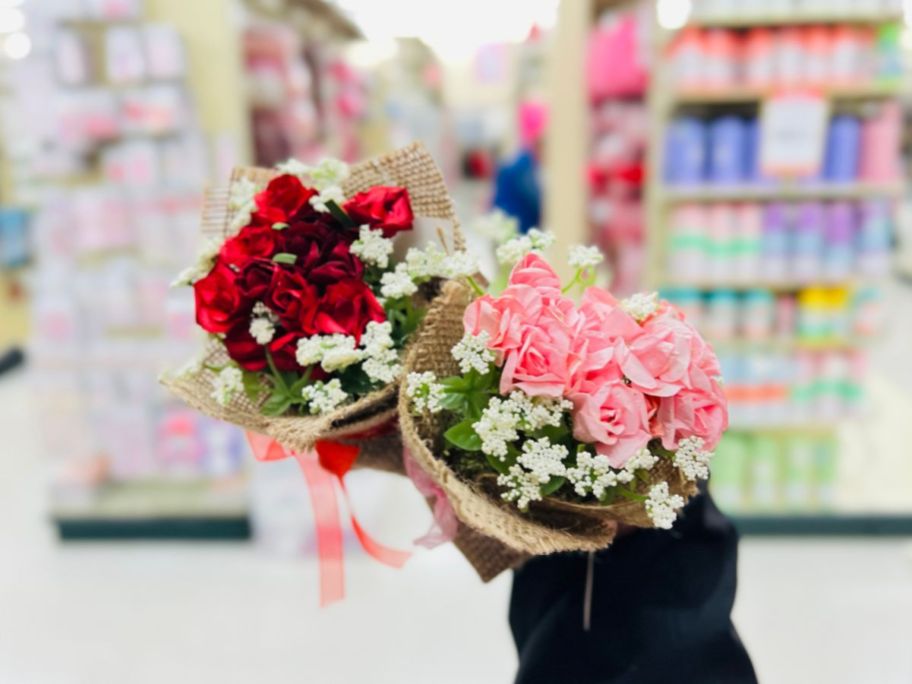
<point>321,466</point>
<point>444,527</point>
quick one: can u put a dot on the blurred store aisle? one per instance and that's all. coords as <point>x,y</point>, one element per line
<point>224,613</point>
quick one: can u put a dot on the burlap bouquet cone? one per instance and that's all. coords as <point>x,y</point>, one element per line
<point>367,420</point>
<point>497,536</point>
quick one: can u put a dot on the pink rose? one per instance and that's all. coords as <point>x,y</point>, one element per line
<point>541,365</point>
<point>693,413</point>
<point>603,324</point>
<point>615,418</point>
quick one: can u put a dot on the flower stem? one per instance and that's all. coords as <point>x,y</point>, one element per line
<point>573,281</point>
<point>475,286</point>
<point>275,372</point>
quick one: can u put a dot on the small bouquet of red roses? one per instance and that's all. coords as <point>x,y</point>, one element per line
<point>547,422</point>
<point>306,308</point>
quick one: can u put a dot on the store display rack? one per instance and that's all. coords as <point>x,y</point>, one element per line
<point>155,510</point>
<point>666,101</point>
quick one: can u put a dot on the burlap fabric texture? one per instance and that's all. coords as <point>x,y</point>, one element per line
<point>361,421</point>
<point>500,536</point>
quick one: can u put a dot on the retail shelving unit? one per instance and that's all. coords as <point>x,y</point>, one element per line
<point>786,504</point>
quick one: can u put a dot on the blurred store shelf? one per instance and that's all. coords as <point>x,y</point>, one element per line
<point>776,191</point>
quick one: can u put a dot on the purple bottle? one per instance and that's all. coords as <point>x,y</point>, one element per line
<point>807,246</point>
<point>839,250</point>
<point>727,150</point>
<point>842,149</point>
<point>685,152</point>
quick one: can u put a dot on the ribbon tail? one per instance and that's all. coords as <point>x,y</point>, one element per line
<point>265,448</point>
<point>384,554</point>
<point>329,533</point>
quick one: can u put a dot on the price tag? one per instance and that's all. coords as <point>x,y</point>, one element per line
<point>792,134</point>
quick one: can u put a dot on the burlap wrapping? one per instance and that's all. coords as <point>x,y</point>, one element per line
<point>410,167</point>
<point>502,536</point>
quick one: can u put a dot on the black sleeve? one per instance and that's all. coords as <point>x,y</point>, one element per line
<point>660,611</point>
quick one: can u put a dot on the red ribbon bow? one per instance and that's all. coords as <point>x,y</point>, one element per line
<point>327,462</point>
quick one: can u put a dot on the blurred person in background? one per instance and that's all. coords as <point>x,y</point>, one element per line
<point>517,188</point>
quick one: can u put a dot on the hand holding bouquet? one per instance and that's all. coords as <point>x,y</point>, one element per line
<point>548,422</point>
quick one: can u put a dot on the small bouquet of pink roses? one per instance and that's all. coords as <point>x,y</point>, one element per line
<point>548,422</point>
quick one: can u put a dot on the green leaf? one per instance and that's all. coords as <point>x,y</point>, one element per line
<point>285,258</point>
<point>501,467</point>
<point>463,435</point>
<point>339,214</point>
<point>553,433</point>
<point>253,386</point>
<point>278,403</point>
<point>355,381</point>
<point>452,402</point>
<point>553,485</point>
<point>279,225</point>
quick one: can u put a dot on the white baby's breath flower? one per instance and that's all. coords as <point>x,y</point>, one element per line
<point>423,264</point>
<point>398,283</point>
<point>227,384</point>
<point>641,305</point>
<point>522,487</point>
<point>472,352</point>
<point>372,247</point>
<point>497,427</point>
<point>537,412</point>
<point>642,459</point>
<point>262,330</point>
<point>205,260</point>
<point>329,172</point>
<point>512,251</point>
<point>333,193</point>
<point>324,397</point>
<point>592,475</point>
<point>541,239</point>
<point>340,352</point>
<point>662,506</point>
<point>295,167</point>
<point>191,367</point>
<point>459,265</point>
<point>309,350</point>
<point>330,351</point>
<point>585,257</point>
<point>383,365</point>
<point>496,226</point>
<point>543,459</point>
<point>377,337</point>
<point>241,203</point>
<point>424,391</point>
<point>692,459</point>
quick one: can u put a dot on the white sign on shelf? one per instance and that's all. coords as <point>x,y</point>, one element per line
<point>793,129</point>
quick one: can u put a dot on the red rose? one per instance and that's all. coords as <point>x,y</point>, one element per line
<point>347,307</point>
<point>284,197</point>
<point>382,207</point>
<point>323,253</point>
<point>250,243</point>
<point>255,279</point>
<point>251,355</point>
<point>219,303</point>
<point>294,301</point>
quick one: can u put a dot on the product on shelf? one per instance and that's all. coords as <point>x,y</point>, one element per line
<point>778,242</point>
<point>775,473</point>
<point>815,317</point>
<point>762,59</point>
<point>723,150</point>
